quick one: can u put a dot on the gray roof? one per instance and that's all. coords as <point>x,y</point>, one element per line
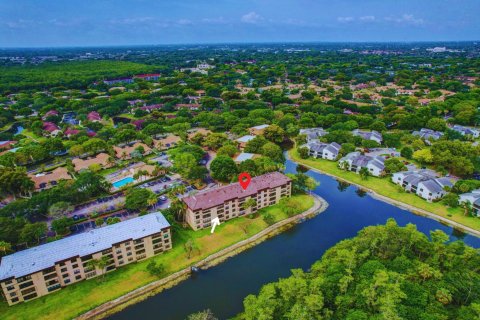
<point>45,256</point>
<point>432,186</point>
<point>246,138</point>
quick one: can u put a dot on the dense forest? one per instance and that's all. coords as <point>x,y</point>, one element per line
<point>385,272</point>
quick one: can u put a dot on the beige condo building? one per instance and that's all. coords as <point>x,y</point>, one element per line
<point>38,271</point>
<point>227,202</point>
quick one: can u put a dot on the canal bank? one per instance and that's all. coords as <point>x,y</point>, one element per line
<point>402,205</point>
<point>156,287</point>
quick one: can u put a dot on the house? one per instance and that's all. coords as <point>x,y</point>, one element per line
<point>245,156</point>
<point>226,202</point>
<point>202,131</point>
<point>369,135</point>
<point>428,134</point>
<point>258,130</point>
<point>313,133</point>
<point>71,132</point>
<point>94,116</point>
<point>101,159</point>
<point>355,161</point>
<point>323,150</point>
<point>244,140</point>
<point>168,142</point>
<point>50,179</point>
<point>50,113</point>
<point>38,271</point>
<point>7,145</point>
<point>152,107</point>
<point>127,151</point>
<point>466,131</point>
<point>424,183</point>
<point>51,128</point>
<point>70,118</point>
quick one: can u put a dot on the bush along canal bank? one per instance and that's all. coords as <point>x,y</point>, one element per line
<point>116,305</point>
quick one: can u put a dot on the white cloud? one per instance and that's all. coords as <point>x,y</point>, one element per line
<point>184,22</point>
<point>367,18</point>
<point>219,20</point>
<point>252,17</point>
<point>406,19</point>
<point>345,19</point>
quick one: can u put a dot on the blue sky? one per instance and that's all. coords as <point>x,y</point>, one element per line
<point>27,23</point>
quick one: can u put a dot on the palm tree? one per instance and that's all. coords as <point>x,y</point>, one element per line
<point>110,161</point>
<point>467,206</point>
<point>152,200</point>
<point>250,203</point>
<point>364,173</point>
<point>99,264</point>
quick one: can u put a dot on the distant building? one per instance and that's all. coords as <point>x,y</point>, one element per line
<point>244,140</point>
<point>258,130</point>
<point>38,271</point>
<point>7,145</point>
<point>323,150</point>
<point>227,202</point>
<point>50,114</point>
<point>168,142</point>
<point>427,134</point>
<point>466,131</point>
<point>369,135</point>
<point>94,116</point>
<point>149,76</point>
<point>354,161</point>
<point>245,156</point>
<point>117,81</point>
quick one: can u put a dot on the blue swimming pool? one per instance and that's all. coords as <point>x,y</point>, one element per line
<point>124,181</point>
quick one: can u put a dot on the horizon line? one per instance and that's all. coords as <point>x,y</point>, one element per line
<point>236,43</point>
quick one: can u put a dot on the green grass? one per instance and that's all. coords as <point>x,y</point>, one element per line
<point>79,298</point>
<point>385,187</point>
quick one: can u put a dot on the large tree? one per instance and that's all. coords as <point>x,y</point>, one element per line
<point>223,168</point>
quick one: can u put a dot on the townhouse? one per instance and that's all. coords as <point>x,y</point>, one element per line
<point>227,202</point>
<point>38,271</point>
<point>313,133</point>
<point>472,197</point>
<point>127,151</point>
<point>323,150</point>
<point>355,161</point>
<point>424,183</point>
<point>369,135</point>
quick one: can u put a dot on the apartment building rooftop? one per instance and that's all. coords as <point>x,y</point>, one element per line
<point>32,260</point>
<point>218,196</point>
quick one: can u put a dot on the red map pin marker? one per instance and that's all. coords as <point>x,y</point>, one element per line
<point>244,180</point>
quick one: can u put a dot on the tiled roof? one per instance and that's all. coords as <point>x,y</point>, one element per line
<point>44,256</point>
<point>218,196</point>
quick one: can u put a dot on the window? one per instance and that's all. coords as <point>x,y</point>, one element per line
<point>63,270</point>
<point>13,294</point>
<point>26,284</point>
<point>74,266</point>
<point>78,277</point>
<point>14,300</point>
<point>10,288</point>
<point>67,281</point>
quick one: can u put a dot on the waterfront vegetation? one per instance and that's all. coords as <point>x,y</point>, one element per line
<point>384,186</point>
<point>83,296</point>
<point>385,272</point>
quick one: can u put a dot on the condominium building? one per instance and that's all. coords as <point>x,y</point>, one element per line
<point>38,271</point>
<point>227,202</point>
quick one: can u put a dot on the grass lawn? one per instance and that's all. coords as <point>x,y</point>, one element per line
<point>79,298</point>
<point>385,187</point>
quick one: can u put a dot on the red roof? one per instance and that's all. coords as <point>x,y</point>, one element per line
<point>94,116</point>
<point>6,144</point>
<point>50,126</point>
<point>71,132</point>
<point>138,123</point>
<point>218,196</point>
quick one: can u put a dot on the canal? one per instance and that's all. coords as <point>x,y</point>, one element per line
<point>223,288</point>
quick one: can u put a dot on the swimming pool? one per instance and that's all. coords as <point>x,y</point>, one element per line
<point>122,182</point>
